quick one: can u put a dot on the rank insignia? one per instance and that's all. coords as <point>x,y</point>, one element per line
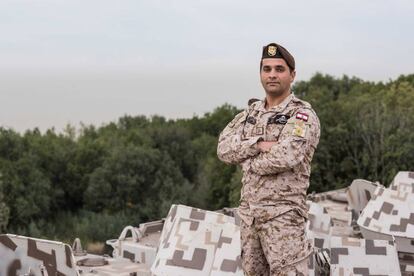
<point>271,50</point>
<point>299,129</point>
<point>302,116</point>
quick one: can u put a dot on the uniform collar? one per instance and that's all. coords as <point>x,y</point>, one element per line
<point>280,107</point>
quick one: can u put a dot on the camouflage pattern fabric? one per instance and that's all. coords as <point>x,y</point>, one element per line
<point>276,181</point>
<point>278,246</point>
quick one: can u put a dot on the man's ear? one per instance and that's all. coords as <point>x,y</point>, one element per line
<point>293,75</point>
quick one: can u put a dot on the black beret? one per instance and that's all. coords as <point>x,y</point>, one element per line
<point>274,50</point>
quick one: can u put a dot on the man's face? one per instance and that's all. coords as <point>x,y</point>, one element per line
<point>276,76</point>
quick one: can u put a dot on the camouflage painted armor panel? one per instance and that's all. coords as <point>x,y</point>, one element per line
<point>20,255</point>
<point>390,213</point>
<point>349,256</point>
<point>274,182</point>
<point>198,242</point>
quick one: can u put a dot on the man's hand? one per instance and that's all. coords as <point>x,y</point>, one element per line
<point>264,146</point>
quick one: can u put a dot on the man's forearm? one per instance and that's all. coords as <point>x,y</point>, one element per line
<point>233,150</point>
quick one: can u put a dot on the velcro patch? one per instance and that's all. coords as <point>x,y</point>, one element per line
<point>278,119</point>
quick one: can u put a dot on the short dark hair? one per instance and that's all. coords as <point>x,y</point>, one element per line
<point>261,64</point>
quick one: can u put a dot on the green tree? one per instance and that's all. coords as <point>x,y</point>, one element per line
<point>4,211</point>
<point>139,179</point>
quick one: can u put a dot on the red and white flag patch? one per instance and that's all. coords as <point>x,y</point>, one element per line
<point>302,116</point>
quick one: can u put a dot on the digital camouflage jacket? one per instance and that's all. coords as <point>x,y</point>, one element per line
<point>276,181</point>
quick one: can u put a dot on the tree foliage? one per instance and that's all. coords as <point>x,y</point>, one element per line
<point>135,168</point>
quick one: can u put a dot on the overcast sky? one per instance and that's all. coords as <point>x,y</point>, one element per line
<point>93,61</point>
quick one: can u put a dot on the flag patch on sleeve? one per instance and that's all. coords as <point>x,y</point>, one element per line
<point>302,116</point>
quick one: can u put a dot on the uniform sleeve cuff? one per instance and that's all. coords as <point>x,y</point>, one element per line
<point>252,142</point>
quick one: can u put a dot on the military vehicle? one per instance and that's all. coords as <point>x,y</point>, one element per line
<point>364,229</point>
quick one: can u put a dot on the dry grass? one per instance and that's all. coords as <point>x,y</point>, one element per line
<point>95,248</point>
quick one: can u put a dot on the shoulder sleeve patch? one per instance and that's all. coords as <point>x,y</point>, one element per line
<point>299,129</point>
<point>237,119</point>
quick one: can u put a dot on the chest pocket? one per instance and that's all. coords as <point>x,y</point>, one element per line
<point>275,125</point>
<point>252,128</point>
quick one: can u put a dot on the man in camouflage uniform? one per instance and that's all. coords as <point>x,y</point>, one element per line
<point>274,141</point>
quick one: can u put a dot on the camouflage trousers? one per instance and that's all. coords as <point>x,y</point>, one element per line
<point>275,247</point>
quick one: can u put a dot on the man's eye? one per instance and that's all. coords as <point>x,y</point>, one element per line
<point>266,69</point>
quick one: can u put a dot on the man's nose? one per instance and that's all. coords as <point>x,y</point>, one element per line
<point>273,73</point>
